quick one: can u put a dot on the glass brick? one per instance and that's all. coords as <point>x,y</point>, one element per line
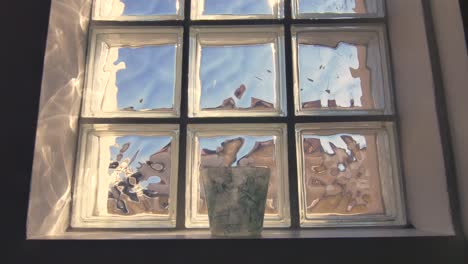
<point>237,71</point>
<point>133,72</point>
<point>239,9</point>
<point>135,10</point>
<point>348,175</point>
<point>337,8</point>
<point>238,145</point>
<point>341,71</point>
<point>126,177</point>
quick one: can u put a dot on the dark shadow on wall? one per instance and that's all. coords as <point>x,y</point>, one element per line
<point>464,11</point>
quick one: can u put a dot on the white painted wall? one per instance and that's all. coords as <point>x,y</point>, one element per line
<point>454,61</point>
<point>421,148</point>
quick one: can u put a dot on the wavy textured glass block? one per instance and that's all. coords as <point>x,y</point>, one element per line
<point>237,72</point>
<point>348,175</point>
<point>133,72</point>
<point>238,9</point>
<point>134,10</point>
<point>126,176</point>
<point>341,71</point>
<point>337,8</point>
<point>238,145</point>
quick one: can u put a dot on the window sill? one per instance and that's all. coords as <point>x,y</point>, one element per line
<point>266,234</point>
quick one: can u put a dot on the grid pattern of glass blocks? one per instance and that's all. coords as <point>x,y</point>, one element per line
<point>239,145</point>
<point>226,87</point>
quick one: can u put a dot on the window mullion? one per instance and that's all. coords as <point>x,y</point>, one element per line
<point>292,173</point>
<point>180,223</point>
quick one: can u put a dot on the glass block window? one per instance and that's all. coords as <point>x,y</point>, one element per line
<point>239,145</point>
<point>346,173</point>
<point>133,72</point>
<point>301,87</point>
<point>334,9</point>
<point>341,70</point>
<point>126,176</point>
<point>138,10</point>
<point>239,9</point>
<point>237,72</point>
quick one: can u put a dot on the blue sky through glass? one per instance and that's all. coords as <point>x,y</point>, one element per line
<point>324,74</point>
<point>237,7</point>
<point>224,69</point>
<point>149,7</point>
<point>327,6</point>
<point>148,80</point>
<point>212,143</point>
<point>147,145</point>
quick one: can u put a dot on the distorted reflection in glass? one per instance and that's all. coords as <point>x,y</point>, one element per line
<point>238,7</point>
<point>238,77</point>
<point>241,151</point>
<point>116,8</point>
<point>139,174</point>
<point>334,77</point>
<point>341,175</point>
<point>139,78</point>
<point>333,6</point>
